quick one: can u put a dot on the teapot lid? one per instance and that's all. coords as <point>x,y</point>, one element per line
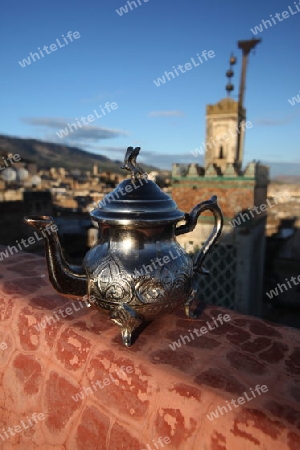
<point>137,200</point>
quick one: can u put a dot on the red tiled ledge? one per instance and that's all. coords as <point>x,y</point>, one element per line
<point>70,384</point>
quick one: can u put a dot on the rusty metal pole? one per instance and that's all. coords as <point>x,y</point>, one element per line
<point>246,47</point>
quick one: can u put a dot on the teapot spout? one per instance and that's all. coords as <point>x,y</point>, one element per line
<point>70,281</point>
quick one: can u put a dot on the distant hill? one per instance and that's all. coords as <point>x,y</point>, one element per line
<point>286,179</point>
<point>48,155</point>
<point>284,172</point>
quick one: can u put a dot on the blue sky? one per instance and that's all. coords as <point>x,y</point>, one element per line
<point>117,58</point>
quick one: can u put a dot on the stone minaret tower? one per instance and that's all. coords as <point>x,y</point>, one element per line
<point>225,129</point>
<point>226,122</point>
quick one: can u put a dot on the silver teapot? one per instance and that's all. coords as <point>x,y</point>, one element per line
<point>137,271</point>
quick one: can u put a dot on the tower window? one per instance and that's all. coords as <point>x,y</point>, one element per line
<point>221,155</point>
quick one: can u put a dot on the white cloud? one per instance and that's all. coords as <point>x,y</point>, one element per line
<point>84,134</point>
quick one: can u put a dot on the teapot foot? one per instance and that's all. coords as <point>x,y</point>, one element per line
<point>187,306</point>
<point>126,337</point>
<point>190,314</point>
<point>128,320</point>
<point>188,303</point>
<point>196,313</point>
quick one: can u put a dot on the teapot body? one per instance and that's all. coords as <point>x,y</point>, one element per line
<point>143,270</point>
<point>137,270</point>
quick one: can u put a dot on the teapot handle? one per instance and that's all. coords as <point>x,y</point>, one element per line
<point>191,222</point>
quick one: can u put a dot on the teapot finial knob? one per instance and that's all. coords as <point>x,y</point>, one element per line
<point>131,165</point>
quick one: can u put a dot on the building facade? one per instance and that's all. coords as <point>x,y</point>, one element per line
<point>236,263</point>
